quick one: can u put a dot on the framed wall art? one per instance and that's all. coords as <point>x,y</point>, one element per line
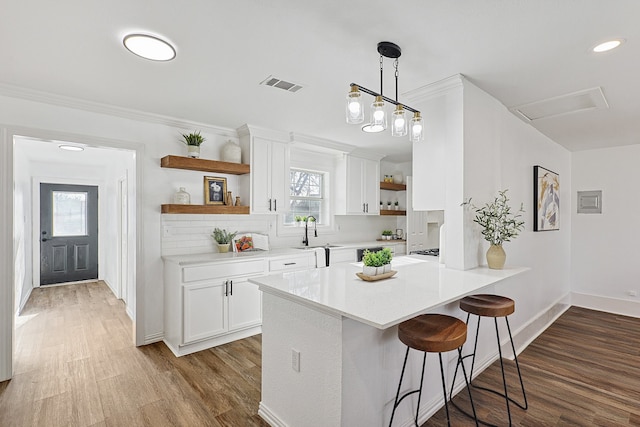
<point>215,189</point>
<point>546,193</point>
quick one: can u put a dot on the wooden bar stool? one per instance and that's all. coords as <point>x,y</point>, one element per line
<point>485,305</point>
<point>432,333</point>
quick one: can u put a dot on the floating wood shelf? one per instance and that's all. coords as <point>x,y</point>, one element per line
<point>391,186</point>
<point>392,213</point>
<point>204,165</point>
<point>391,240</point>
<point>205,209</point>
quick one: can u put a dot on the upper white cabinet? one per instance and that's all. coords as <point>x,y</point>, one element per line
<point>357,187</point>
<point>269,158</point>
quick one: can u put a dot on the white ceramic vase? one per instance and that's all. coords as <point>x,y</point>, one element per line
<point>193,151</point>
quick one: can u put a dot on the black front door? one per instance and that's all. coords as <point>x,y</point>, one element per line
<point>68,233</point>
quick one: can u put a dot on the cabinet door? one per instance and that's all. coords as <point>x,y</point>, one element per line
<point>260,175</point>
<point>355,198</point>
<point>280,177</point>
<point>371,186</point>
<point>204,311</point>
<point>245,304</point>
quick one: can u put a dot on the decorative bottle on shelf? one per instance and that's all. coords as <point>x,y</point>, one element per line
<point>181,197</point>
<point>231,152</point>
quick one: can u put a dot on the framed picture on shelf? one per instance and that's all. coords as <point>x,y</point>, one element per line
<point>546,193</point>
<point>215,189</point>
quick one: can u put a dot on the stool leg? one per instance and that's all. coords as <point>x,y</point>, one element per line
<point>513,348</point>
<point>396,401</point>
<point>504,380</point>
<point>444,390</point>
<point>424,362</point>
<point>466,381</point>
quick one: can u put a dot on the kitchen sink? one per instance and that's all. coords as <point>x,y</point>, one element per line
<point>317,246</point>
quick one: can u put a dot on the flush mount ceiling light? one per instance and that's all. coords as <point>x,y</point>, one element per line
<point>608,45</point>
<point>149,47</point>
<point>70,147</point>
<point>378,115</point>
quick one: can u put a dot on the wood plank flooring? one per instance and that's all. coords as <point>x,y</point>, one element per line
<point>584,370</point>
<point>76,365</point>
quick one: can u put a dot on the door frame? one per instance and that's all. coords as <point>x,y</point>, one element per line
<point>35,215</point>
<point>7,241</point>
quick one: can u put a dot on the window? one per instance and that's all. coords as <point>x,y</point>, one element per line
<point>307,194</point>
<point>69,213</point>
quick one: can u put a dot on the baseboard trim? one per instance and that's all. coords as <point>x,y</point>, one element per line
<point>606,304</point>
<point>24,300</point>
<point>270,418</point>
<point>150,339</point>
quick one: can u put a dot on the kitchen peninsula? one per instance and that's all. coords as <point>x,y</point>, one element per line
<point>330,353</point>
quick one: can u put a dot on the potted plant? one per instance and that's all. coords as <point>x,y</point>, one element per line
<point>386,234</point>
<point>381,205</point>
<point>375,262</point>
<point>223,238</point>
<point>397,205</point>
<point>298,220</point>
<point>193,142</point>
<point>499,225</point>
<point>389,205</point>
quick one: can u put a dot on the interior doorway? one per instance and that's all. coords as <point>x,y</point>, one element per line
<point>68,233</point>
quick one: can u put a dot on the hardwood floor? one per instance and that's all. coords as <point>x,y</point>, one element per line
<point>76,365</point>
<point>584,370</point>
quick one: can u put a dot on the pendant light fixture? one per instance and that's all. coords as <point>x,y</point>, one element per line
<point>378,115</point>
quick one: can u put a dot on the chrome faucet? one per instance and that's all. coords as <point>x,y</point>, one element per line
<point>305,241</point>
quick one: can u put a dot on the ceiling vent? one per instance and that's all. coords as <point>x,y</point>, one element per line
<point>281,84</point>
<point>583,100</point>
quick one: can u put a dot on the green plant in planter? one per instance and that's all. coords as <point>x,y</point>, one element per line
<point>498,223</point>
<point>223,236</point>
<point>387,233</point>
<point>297,218</point>
<point>377,259</point>
<point>193,138</point>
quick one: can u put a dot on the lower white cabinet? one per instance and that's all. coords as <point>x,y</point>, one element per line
<point>302,261</point>
<point>211,304</point>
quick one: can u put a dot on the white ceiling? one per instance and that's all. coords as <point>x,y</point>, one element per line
<point>518,51</point>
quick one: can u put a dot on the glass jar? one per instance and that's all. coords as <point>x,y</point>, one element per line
<point>181,197</point>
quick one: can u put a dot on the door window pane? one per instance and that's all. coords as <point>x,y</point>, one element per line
<point>69,213</point>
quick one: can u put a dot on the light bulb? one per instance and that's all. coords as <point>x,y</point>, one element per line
<point>399,122</point>
<point>417,133</point>
<point>378,116</point>
<point>354,110</point>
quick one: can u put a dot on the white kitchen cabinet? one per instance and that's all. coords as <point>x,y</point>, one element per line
<point>211,303</point>
<point>307,259</point>
<point>269,159</point>
<point>357,187</point>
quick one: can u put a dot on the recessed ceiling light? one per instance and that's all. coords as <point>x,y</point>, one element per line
<point>70,147</point>
<point>149,47</point>
<point>608,45</point>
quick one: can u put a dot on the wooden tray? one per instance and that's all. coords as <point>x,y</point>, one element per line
<point>376,277</point>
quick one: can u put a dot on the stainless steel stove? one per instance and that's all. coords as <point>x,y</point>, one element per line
<point>432,252</point>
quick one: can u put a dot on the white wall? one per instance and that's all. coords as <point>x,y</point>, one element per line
<point>604,247</point>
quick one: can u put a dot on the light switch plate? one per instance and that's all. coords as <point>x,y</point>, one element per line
<point>590,202</point>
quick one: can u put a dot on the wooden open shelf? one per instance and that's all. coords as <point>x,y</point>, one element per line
<point>205,209</point>
<point>392,213</point>
<point>390,240</point>
<point>204,165</point>
<point>391,186</point>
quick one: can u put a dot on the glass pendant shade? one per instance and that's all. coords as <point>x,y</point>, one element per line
<point>398,122</point>
<point>378,115</point>
<point>417,128</point>
<point>355,109</point>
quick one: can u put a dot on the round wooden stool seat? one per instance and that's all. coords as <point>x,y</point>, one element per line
<point>433,333</point>
<point>488,305</point>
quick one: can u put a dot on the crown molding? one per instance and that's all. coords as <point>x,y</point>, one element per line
<point>107,109</point>
<point>435,89</point>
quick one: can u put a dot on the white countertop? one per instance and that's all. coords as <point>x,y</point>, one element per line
<point>203,258</point>
<point>421,284</point>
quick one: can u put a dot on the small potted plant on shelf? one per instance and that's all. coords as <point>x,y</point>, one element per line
<point>397,205</point>
<point>298,220</point>
<point>381,205</point>
<point>389,205</point>
<point>498,225</point>
<point>376,263</point>
<point>386,234</point>
<point>223,238</point>
<point>193,142</point>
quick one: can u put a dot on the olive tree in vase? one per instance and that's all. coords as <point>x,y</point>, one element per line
<point>499,225</point>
